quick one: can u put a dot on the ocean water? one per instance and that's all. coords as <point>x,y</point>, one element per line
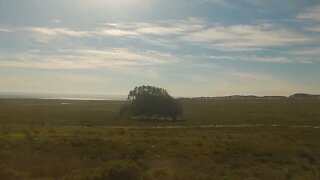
<point>28,95</point>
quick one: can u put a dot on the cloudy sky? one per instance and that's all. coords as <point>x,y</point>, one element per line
<point>191,48</point>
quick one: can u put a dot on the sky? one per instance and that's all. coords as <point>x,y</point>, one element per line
<point>190,48</point>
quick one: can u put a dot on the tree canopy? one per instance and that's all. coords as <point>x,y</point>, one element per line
<point>152,101</point>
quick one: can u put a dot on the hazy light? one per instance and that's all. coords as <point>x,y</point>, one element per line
<point>117,5</point>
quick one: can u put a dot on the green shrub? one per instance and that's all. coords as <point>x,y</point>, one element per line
<point>113,170</point>
<point>149,101</point>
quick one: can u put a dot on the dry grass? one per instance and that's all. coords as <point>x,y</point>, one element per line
<point>49,140</point>
<point>217,153</point>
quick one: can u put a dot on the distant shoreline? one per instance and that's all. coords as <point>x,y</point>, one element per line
<point>69,99</point>
<point>61,96</point>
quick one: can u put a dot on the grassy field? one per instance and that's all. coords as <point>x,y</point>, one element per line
<point>65,139</point>
<point>196,112</point>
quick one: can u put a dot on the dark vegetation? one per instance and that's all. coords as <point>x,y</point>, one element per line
<point>297,96</point>
<point>196,112</point>
<point>302,96</point>
<point>65,139</point>
<point>150,101</point>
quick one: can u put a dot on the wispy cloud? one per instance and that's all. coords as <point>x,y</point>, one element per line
<point>165,43</point>
<point>116,32</point>
<point>160,30</point>
<point>311,13</point>
<point>143,30</point>
<point>163,28</point>
<point>45,34</point>
<point>172,34</point>
<point>308,53</point>
<point>85,59</point>
<point>315,28</point>
<point>195,31</point>
<point>140,29</point>
<point>245,37</point>
<point>58,31</point>
<point>253,58</point>
<point>5,30</point>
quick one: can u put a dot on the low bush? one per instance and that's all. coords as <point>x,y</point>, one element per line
<point>113,170</point>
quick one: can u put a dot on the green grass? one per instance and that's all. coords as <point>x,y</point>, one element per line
<point>196,112</point>
<point>44,139</point>
<point>283,112</point>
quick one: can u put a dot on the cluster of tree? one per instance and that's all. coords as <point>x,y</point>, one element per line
<point>151,101</point>
<point>304,96</point>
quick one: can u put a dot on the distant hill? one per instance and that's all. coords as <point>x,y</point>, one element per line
<point>297,96</point>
